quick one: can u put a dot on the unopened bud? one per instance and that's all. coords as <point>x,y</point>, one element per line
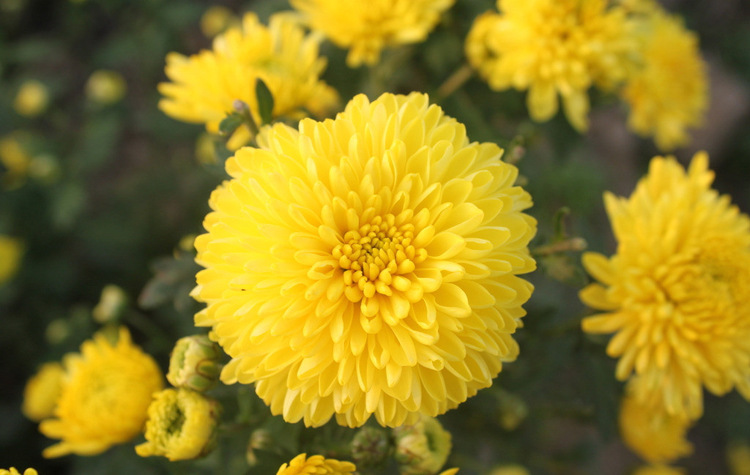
<point>112,303</point>
<point>370,447</point>
<point>261,440</point>
<point>422,448</point>
<point>195,363</point>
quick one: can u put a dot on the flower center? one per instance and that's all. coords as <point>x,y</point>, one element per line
<point>376,258</point>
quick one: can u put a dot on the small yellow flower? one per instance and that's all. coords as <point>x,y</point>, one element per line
<point>367,265</point>
<point>195,363</point>
<point>659,470</point>
<point>422,448</point>
<point>106,87</point>
<point>42,392</point>
<point>181,425</point>
<point>552,48</point>
<point>106,393</point>
<point>215,20</point>
<point>14,158</point>
<point>205,86</point>
<point>676,292</point>
<point>13,471</point>
<point>112,303</point>
<point>668,93</point>
<point>368,26</point>
<point>317,464</point>
<point>657,437</point>
<point>11,251</point>
<point>32,98</point>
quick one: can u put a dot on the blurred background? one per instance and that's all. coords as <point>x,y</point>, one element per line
<point>101,188</point>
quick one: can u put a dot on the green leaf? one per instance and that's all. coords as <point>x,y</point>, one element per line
<point>265,101</point>
<point>230,123</point>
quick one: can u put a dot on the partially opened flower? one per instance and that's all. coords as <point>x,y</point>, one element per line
<point>206,85</point>
<point>366,27</point>
<point>675,293</point>
<point>181,425</point>
<point>668,92</point>
<point>366,265</point>
<point>422,448</point>
<point>652,433</point>
<point>106,392</point>
<point>552,48</point>
<point>316,464</point>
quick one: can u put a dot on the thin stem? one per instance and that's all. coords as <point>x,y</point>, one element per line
<point>455,81</point>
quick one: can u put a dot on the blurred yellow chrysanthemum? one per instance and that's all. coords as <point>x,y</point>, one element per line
<point>181,425</point>
<point>105,396</point>
<point>106,87</point>
<point>738,457</point>
<point>658,470</point>
<point>13,471</point>
<point>205,86</point>
<point>32,98</point>
<point>366,27</point>
<point>551,48</point>
<point>11,251</point>
<point>216,19</point>
<point>675,293</point>
<point>317,464</point>
<point>15,158</point>
<point>366,265</point>
<point>656,436</point>
<point>668,92</point>
<point>42,392</point>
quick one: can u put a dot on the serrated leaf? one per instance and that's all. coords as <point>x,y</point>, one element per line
<point>265,101</point>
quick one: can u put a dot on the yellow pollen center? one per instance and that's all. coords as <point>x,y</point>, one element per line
<point>376,257</point>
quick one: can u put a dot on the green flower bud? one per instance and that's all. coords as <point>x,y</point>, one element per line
<point>370,447</point>
<point>422,448</point>
<point>195,363</point>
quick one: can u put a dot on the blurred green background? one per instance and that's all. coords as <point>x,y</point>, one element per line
<point>115,187</point>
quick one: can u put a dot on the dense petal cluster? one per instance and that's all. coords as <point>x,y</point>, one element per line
<point>365,27</point>
<point>552,48</point>
<point>656,436</point>
<point>105,396</point>
<point>316,465</point>
<point>675,293</point>
<point>668,92</point>
<point>181,425</point>
<point>366,265</point>
<point>206,85</point>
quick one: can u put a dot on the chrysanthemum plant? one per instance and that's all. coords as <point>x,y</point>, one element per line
<point>354,297</point>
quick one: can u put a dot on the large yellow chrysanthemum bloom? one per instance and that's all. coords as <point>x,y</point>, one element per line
<point>368,26</point>
<point>366,265</point>
<point>181,425</point>
<point>316,465</point>
<point>668,92</point>
<point>105,396</point>
<point>551,48</point>
<point>676,292</point>
<point>42,391</point>
<point>656,436</point>
<point>205,86</point>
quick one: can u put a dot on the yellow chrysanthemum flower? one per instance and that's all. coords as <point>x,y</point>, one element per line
<point>366,265</point>
<point>366,27</point>
<point>11,251</point>
<point>668,93</point>
<point>422,448</point>
<point>216,19</point>
<point>658,470</point>
<point>656,436</point>
<point>317,465</point>
<point>105,396</point>
<point>205,86</point>
<point>551,48</point>
<point>42,392</point>
<point>181,425</point>
<point>13,471</point>
<point>106,87</point>
<point>32,98</point>
<point>675,293</point>
<point>15,158</point>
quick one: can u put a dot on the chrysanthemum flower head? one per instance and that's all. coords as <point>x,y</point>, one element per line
<point>42,391</point>
<point>668,92</point>
<point>316,465</point>
<point>32,98</point>
<point>106,393</point>
<point>552,48</point>
<point>14,471</point>
<point>181,425</point>
<point>675,293</point>
<point>366,265</point>
<point>422,448</point>
<point>205,86</point>
<point>366,27</point>
<point>656,436</point>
